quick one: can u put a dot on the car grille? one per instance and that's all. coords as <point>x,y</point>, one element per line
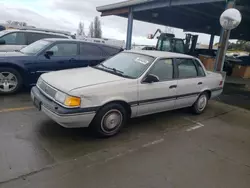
<point>47,89</point>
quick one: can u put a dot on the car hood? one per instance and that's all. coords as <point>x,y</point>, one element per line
<point>11,54</point>
<point>68,80</point>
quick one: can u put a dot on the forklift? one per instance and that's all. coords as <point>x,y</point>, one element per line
<point>168,42</point>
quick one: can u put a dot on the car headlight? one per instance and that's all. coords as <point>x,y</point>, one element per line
<point>67,100</point>
<point>60,97</point>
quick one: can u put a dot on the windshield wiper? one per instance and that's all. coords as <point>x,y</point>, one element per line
<point>113,69</point>
<point>19,51</point>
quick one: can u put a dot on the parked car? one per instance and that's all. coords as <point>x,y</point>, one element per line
<point>128,85</point>
<point>25,66</point>
<point>11,40</point>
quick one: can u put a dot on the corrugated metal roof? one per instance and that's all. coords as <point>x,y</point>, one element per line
<point>122,4</point>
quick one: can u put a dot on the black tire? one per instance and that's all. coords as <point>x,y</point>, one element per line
<point>98,125</point>
<point>196,108</point>
<point>18,79</point>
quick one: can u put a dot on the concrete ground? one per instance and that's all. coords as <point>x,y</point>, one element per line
<point>172,149</point>
<point>236,92</point>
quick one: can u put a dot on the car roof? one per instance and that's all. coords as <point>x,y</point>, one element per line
<point>36,31</point>
<point>160,54</point>
<point>76,40</point>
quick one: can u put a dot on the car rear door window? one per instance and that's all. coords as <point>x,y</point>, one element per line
<point>199,68</point>
<point>163,69</point>
<point>186,68</point>
<point>91,50</point>
<point>64,49</point>
<point>33,37</point>
<point>15,38</point>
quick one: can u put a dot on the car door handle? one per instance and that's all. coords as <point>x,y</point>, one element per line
<point>200,83</point>
<point>173,86</point>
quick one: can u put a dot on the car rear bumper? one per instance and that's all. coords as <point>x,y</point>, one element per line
<point>68,118</point>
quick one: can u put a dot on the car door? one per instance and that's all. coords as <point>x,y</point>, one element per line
<point>65,56</point>
<point>158,96</point>
<point>189,83</point>
<point>91,54</point>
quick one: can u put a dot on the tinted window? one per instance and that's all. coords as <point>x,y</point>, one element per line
<point>186,68</point>
<point>163,69</point>
<point>64,49</point>
<point>16,38</point>
<point>199,68</point>
<point>90,50</point>
<point>33,37</point>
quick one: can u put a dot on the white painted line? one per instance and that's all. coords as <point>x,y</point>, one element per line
<point>153,143</point>
<point>199,125</point>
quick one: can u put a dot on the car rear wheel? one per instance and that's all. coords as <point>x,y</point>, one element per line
<point>10,81</point>
<point>200,104</point>
<point>109,120</point>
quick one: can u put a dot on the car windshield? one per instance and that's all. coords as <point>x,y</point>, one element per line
<point>130,65</point>
<point>35,47</point>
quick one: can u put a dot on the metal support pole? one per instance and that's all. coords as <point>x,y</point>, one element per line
<point>129,29</point>
<point>211,43</point>
<point>222,48</point>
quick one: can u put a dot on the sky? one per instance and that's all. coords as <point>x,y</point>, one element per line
<point>66,15</point>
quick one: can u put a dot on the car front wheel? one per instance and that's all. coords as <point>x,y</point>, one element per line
<point>10,81</point>
<point>200,104</point>
<point>109,120</point>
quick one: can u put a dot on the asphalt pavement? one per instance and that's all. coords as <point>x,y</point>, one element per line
<point>171,149</point>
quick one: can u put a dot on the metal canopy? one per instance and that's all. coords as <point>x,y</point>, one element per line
<point>191,15</point>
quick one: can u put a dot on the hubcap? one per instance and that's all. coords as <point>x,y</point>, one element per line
<point>8,81</point>
<point>202,102</point>
<point>111,121</point>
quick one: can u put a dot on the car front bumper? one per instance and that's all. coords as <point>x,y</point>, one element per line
<point>68,118</point>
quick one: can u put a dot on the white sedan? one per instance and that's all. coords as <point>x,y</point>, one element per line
<point>128,85</point>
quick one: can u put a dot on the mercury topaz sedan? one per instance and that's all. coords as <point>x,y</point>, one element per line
<point>128,85</point>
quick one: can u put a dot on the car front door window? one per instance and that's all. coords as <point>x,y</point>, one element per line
<point>163,69</point>
<point>64,49</point>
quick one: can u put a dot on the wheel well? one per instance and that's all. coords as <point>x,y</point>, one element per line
<point>124,104</point>
<point>208,92</point>
<point>17,68</point>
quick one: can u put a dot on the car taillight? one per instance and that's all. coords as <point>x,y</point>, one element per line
<point>221,83</point>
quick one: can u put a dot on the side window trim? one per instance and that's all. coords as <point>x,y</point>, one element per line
<point>148,72</point>
<point>191,59</point>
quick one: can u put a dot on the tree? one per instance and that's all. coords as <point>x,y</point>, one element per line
<point>97,28</point>
<point>91,30</point>
<point>80,30</point>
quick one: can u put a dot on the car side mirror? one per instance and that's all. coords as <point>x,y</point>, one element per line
<point>2,42</point>
<point>151,78</point>
<point>48,54</point>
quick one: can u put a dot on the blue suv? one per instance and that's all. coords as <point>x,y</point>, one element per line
<point>23,68</point>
